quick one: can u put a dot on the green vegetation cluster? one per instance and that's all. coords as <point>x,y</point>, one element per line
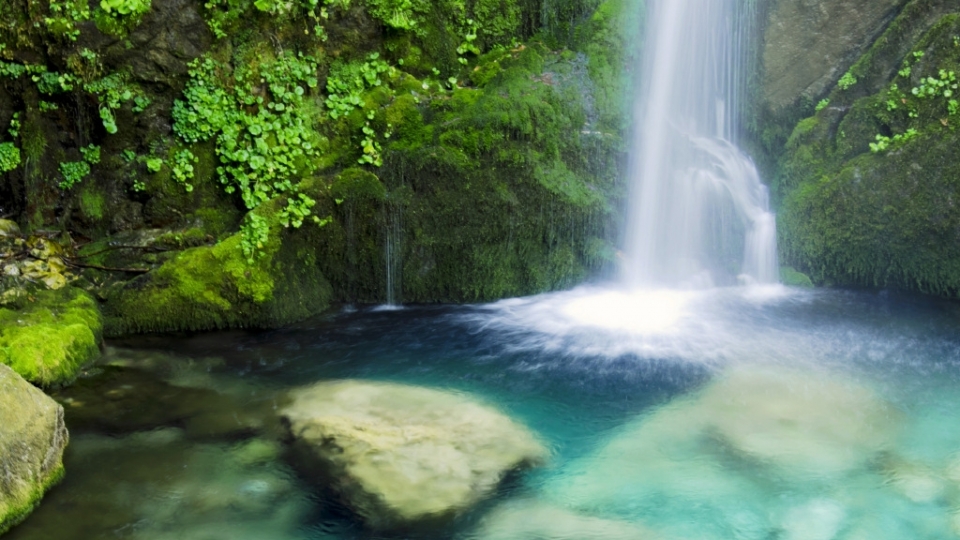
<point>482,138</point>
<point>868,184</point>
<point>50,335</point>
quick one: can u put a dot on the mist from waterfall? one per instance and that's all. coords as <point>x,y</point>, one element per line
<point>698,215</point>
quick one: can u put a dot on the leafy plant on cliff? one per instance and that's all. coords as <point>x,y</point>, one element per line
<point>126,7</point>
<point>64,15</point>
<point>9,157</point>
<point>847,81</point>
<point>261,118</point>
<point>113,91</point>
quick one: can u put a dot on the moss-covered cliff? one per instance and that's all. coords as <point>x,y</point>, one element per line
<point>246,163</point>
<point>868,184</point>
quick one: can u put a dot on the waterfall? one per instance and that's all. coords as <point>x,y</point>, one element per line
<point>392,255</point>
<point>698,214</point>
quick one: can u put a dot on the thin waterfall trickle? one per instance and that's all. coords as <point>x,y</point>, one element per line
<point>698,214</point>
<point>392,215</point>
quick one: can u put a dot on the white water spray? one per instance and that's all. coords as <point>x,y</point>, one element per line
<point>698,213</point>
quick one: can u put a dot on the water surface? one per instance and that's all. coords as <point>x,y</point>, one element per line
<point>732,413</point>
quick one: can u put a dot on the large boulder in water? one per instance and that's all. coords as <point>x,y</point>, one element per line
<point>400,454</point>
<point>32,439</point>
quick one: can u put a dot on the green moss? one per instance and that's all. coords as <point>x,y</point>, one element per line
<point>791,278</point>
<point>17,514</point>
<point>215,287</point>
<point>92,203</point>
<point>484,193</point>
<point>862,216</point>
<point>50,337</point>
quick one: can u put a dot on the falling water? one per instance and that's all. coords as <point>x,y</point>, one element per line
<point>392,256</point>
<point>698,214</point>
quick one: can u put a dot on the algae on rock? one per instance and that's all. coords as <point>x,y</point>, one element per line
<point>32,439</point>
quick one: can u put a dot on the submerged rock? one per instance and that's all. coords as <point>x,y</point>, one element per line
<point>401,454</point>
<point>32,439</point>
<point>160,485</point>
<point>715,458</point>
<point>819,519</point>
<point>528,520</point>
<point>821,425</point>
<point>915,481</point>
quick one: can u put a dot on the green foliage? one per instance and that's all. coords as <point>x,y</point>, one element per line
<point>126,7</point>
<point>91,154</point>
<point>113,91</point>
<point>847,81</point>
<point>347,82</point>
<point>877,210</point>
<point>224,15</point>
<point>823,104</point>
<point>399,14</point>
<point>265,139</point>
<point>64,15</point>
<point>254,235</point>
<point>9,157</point>
<point>50,82</point>
<point>73,173</point>
<point>154,164</point>
<point>883,142</point>
<point>15,125</point>
<point>183,169</point>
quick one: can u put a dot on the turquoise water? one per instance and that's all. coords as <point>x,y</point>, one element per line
<point>739,413</point>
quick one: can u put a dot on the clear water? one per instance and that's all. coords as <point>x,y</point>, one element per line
<point>738,413</point>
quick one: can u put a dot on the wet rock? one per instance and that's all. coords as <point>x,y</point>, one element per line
<point>399,455</point>
<point>32,439</point>
<point>808,45</point>
<point>527,520</point>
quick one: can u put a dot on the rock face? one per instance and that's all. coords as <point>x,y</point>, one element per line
<point>868,183</point>
<point>32,439</point>
<point>809,44</point>
<point>401,454</point>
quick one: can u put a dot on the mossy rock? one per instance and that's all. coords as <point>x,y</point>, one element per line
<point>51,336</point>
<point>217,287</point>
<point>880,215</point>
<point>489,192</point>
<point>792,278</point>
<point>32,439</point>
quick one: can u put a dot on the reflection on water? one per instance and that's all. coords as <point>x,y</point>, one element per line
<point>740,413</point>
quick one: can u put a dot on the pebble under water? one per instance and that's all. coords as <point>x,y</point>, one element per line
<point>735,413</point>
